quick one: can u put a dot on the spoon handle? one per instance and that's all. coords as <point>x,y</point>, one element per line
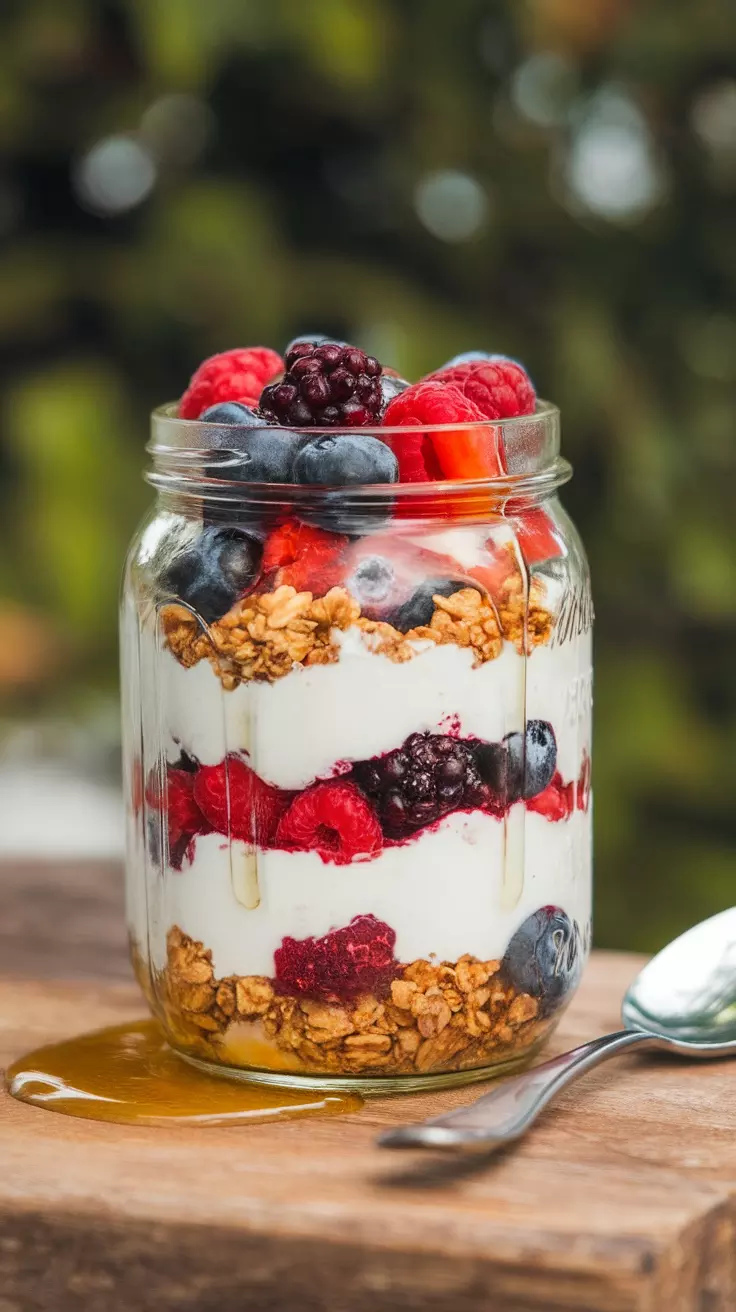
<point>507,1111</point>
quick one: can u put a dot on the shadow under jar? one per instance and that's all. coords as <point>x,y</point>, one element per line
<point>357,759</point>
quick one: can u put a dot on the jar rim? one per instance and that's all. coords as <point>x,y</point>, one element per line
<point>191,458</point>
<point>165,416</point>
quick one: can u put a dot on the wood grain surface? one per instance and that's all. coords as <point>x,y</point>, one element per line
<point>622,1198</point>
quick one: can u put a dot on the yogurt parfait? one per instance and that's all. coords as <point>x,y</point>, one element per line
<point>356,646</point>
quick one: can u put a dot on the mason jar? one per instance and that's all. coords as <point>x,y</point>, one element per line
<point>357,734</point>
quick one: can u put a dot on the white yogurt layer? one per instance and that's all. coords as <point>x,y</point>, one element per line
<point>301,727</point>
<point>443,893</point>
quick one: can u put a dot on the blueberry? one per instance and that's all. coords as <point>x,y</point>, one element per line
<point>346,460</point>
<point>541,757</point>
<point>372,582</point>
<point>211,574</point>
<point>230,412</point>
<point>391,388</point>
<point>467,357</point>
<point>264,455</point>
<point>544,958</point>
<point>419,609</point>
<point>504,768</point>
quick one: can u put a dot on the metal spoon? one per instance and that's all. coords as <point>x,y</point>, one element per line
<point>683,1001</point>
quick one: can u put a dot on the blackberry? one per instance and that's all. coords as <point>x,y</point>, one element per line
<point>325,385</point>
<point>427,777</point>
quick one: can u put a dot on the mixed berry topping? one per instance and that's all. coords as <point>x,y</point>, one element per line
<point>326,384</point>
<point>545,957</point>
<point>237,375</point>
<point>357,959</point>
<point>426,778</point>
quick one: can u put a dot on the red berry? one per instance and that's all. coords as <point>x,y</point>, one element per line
<point>308,559</point>
<point>184,816</point>
<point>459,453</point>
<point>557,802</point>
<point>184,819</point>
<point>535,533</point>
<point>237,375</point>
<point>236,802</point>
<point>499,388</point>
<point>346,963</point>
<point>333,819</point>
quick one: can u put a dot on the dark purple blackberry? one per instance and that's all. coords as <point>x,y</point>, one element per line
<point>429,776</point>
<point>325,385</point>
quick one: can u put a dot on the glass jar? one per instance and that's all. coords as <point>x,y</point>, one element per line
<point>357,759</point>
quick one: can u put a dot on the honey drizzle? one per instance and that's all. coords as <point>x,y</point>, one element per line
<point>128,1074</point>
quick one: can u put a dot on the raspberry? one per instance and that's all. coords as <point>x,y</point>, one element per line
<point>500,388</point>
<point>254,808</point>
<point>346,963</point>
<point>333,819</point>
<point>184,819</point>
<point>462,453</point>
<point>326,384</point>
<point>237,375</point>
<point>430,776</point>
<point>308,559</point>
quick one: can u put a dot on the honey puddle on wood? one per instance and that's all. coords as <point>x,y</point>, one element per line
<point>128,1074</point>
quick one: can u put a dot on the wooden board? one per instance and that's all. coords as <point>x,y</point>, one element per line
<point>622,1198</point>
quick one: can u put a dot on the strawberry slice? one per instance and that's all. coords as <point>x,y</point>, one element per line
<point>461,453</point>
<point>536,533</point>
<point>306,558</point>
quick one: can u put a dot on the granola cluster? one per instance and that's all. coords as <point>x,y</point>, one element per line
<point>448,1016</point>
<point>264,636</point>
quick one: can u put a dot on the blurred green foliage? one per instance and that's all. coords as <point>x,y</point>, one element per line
<point>289,159</point>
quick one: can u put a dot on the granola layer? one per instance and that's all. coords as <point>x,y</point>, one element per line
<point>264,636</point>
<point>436,1017</point>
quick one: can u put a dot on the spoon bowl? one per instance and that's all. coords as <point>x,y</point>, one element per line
<point>683,1001</point>
<point>687,993</point>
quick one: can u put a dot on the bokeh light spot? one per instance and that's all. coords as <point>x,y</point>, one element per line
<point>451,205</point>
<point>115,175</point>
<point>611,168</point>
<point>543,87</point>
